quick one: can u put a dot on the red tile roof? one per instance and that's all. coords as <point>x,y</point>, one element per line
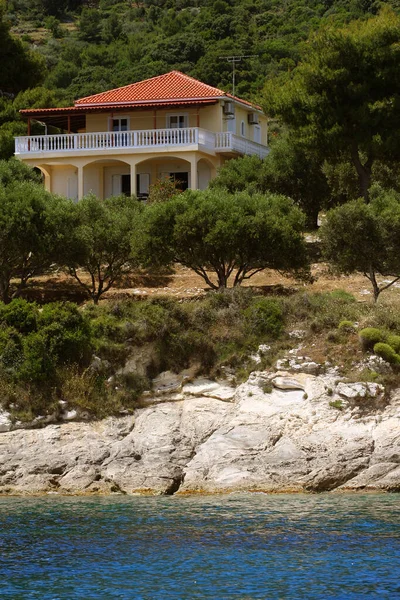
<point>77,109</point>
<point>164,89</point>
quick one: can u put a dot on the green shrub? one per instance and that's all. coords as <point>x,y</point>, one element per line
<point>387,353</point>
<point>11,350</point>
<point>264,317</point>
<point>20,314</point>
<point>394,342</point>
<point>178,350</point>
<point>346,327</point>
<point>343,296</point>
<point>108,326</point>
<point>41,341</point>
<point>338,404</point>
<point>371,336</point>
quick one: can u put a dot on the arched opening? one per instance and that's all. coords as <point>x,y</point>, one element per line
<point>106,178</point>
<point>155,169</point>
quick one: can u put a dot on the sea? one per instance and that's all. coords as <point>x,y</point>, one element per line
<point>243,546</point>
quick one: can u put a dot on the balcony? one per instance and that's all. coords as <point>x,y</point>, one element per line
<point>137,142</point>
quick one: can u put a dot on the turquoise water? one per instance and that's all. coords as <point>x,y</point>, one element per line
<point>245,546</point>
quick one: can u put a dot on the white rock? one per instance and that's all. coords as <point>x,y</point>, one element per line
<point>284,440</point>
<point>282,363</point>
<point>297,334</point>
<point>359,390</point>
<point>209,389</point>
<point>256,358</point>
<point>310,367</point>
<point>69,415</point>
<point>376,363</point>
<point>5,421</point>
<point>263,348</point>
<point>167,382</point>
<point>287,383</point>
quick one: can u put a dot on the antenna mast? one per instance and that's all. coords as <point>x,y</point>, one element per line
<point>234,60</point>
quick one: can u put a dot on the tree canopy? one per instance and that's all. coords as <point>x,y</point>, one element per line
<point>289,169</point>
<point>100,242</point>
<point>365,238</point>
<point>232,236</point>
<point>33,225</point>
<point>343,98</point>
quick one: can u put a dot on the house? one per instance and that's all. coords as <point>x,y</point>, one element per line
<point>123,140</point>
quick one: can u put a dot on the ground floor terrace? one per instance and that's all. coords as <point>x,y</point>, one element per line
<point>130,175</point>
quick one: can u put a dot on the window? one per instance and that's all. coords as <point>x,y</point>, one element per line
<point>257,134</point>
<point>242,129</point>
<point>177,121</point>
<point>120,124</point>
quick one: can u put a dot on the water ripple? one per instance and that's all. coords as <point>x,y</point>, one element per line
<point>245,547</point>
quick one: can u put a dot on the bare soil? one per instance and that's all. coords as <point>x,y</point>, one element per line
<point>181,282</point>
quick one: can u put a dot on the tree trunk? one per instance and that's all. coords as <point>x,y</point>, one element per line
<point>222,279</point>
<point>375,286</point>
<point>5,290</point>
<point>363,171</point>
<point>312,218</point>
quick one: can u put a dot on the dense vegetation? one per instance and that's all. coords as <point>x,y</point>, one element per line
<point>335,137</point>
<point>59,358</point>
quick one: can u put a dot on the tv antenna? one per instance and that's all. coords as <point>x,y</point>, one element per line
<point>234,60</point>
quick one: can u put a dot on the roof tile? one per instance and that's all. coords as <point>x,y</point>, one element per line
<point>170,86</point>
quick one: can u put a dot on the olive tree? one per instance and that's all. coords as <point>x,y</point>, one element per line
<point>100,243</point>
<point>360,237</point>
<point>232,236</point>
<point>33,225</point>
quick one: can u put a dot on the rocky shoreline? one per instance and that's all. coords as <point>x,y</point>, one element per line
<point>278,432</point>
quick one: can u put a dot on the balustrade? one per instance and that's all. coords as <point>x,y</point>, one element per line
<point>150,138</point>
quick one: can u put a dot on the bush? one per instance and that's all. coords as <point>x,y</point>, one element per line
<point>371,336</point>
<point>34,344</point>
<point>178,350</point>
<point>20,314</point>
<point>394,342</point>
<point>264,317</point>
<point>342,295</point>
<point>387,353</point>
<point>346,327</point>
<point>11,350</point>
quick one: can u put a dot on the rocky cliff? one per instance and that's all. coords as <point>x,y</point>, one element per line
<point>278,432</point>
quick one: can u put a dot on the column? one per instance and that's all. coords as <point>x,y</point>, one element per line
<point>80,183</point>
<point>194,185</point>
<point>133,180</point>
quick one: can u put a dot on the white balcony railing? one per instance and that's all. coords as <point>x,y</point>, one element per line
<point>141,139</point>
<point>229,142</point>
<point>108,139</point>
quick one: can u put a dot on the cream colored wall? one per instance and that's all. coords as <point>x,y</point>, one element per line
<point>97,122</point>
<point>210,118</point>
<point>64,181</point>
<point>204,174</point>
<point>241,114</point>
<point>93,180</point>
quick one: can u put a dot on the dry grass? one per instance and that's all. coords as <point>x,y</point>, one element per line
<point>183,283</point>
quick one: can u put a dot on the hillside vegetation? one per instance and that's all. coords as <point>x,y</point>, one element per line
<point>327,73</point>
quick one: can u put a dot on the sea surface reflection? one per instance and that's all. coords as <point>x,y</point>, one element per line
<point>246,546</point>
